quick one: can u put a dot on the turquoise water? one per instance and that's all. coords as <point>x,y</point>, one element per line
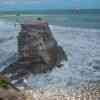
<point>90,20</point>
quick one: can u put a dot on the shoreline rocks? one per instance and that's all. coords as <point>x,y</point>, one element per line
<point>8,91</point>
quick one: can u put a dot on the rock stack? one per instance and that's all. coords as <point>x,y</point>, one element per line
<point>38,51</point>
<point>36,44</point>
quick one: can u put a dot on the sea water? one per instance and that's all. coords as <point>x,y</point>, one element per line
<point>78,34</point>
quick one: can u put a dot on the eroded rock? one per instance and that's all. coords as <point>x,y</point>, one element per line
<point>38,51</point>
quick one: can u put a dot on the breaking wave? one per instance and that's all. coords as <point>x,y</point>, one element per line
<point>80,44</point>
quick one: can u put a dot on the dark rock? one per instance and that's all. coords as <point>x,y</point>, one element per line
<point>60,65</point>
<point>95,63</point>
<point>97,68</point>
<point>38,51</point>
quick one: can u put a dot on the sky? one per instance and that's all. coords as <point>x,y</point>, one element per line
<point>48,4</point>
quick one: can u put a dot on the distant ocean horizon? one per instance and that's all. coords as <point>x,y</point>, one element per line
<point>51,11</point>
<point>83,18</point>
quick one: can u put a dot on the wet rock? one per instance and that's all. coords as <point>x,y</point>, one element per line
<point>38,51</point>
<point>96,67</point>
<point>95,63</point>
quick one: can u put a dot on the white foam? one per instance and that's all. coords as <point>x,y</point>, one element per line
<point>81,46</point>
<point>8,40</point>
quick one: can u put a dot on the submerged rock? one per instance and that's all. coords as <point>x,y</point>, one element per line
<point>96,65</point>
<point>38,51</point>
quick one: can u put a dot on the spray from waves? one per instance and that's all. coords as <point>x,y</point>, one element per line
<point>81,45</point>
<point>8,42</point>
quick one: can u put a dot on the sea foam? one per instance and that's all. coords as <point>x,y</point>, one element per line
<point>80,44</point>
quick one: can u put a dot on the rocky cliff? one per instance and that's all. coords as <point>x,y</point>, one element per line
<point>38,51</point>
<point>8,91</point>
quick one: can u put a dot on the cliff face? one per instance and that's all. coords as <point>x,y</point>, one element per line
<point>38,51</point>
<point>36,44</point>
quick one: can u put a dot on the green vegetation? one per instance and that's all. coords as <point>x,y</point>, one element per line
<point>4,84</point>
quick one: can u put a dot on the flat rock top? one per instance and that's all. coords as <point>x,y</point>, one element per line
<point>35,23</point>
<point>29,25</point>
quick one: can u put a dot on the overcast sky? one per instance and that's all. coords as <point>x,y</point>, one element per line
<point>48,4</point>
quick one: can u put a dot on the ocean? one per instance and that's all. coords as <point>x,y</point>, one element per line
<point>70,18</point>
<point>77,33</point>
